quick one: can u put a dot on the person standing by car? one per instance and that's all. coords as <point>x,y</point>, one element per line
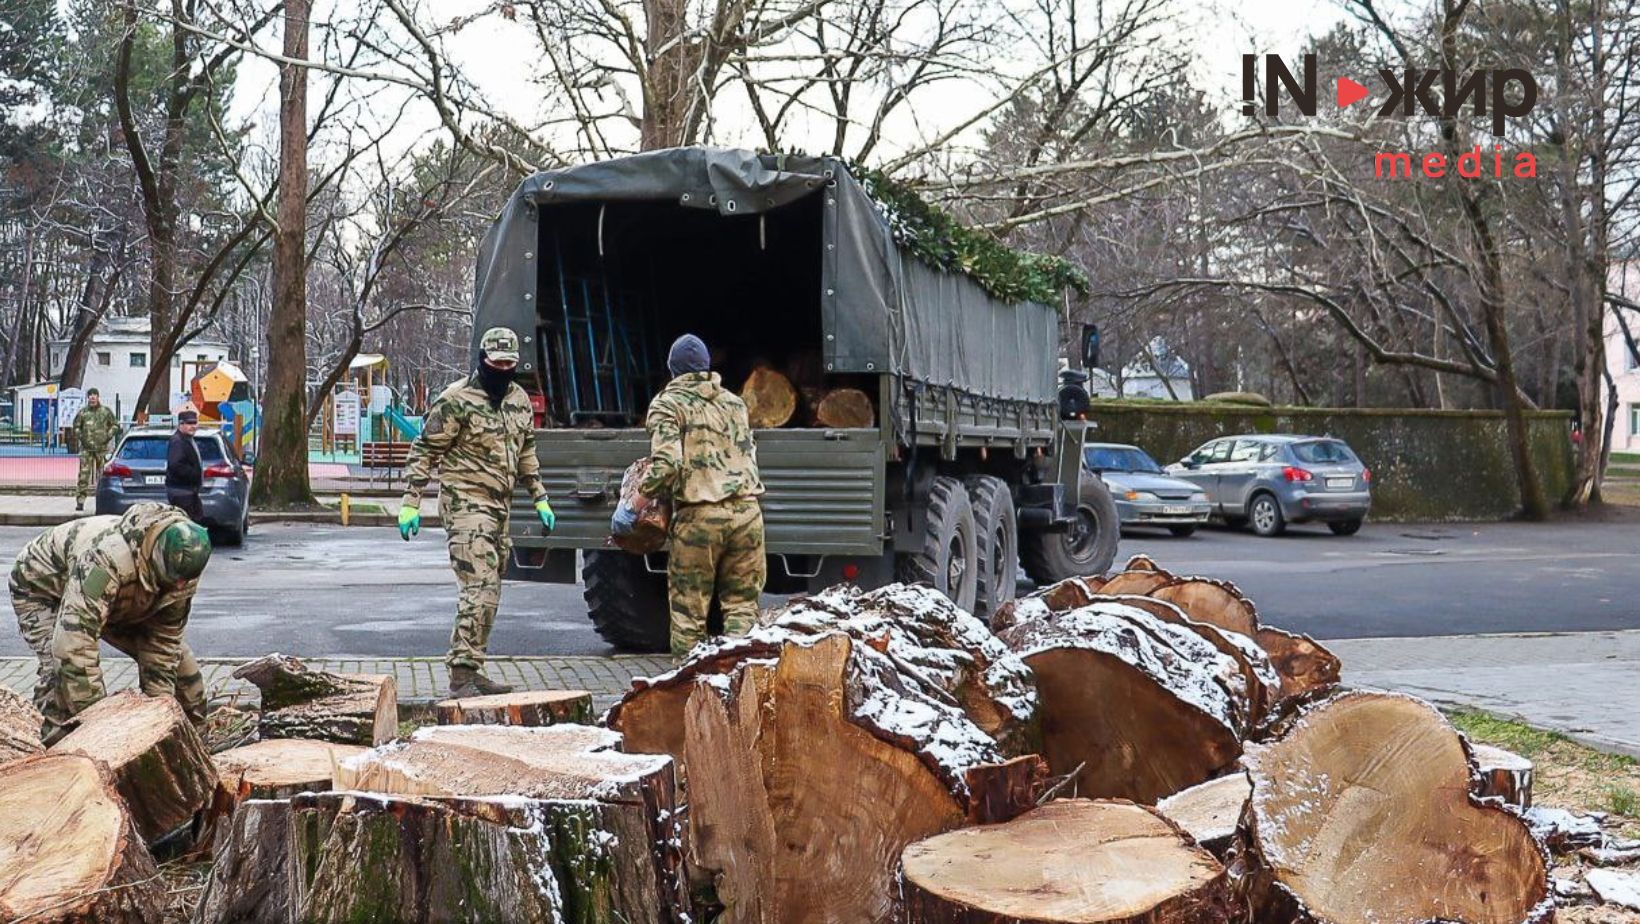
<point>95,428</point>
<point>703,457</point>
<point>479,436</point>
<point>184,471</point>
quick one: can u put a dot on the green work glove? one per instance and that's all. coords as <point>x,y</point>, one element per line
<point>409,521</point>
<point>548,518</point>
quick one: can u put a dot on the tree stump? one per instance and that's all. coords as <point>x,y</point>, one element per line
<point>1209,812</point>
<point>281,767</point>
<point>1070,861</point>
<point>298,702</point>
<point>819,758</point>
<point>1057,598</point>
<point>1131,706</point>
<point>1303,664</point>
<point>1361,813</point>
<point>19,727</point>
<point>68,851</point>
<point>529,708</point>
<point>252,880</point>
<point>1135,582</point>
<point>630,819</point>
<point>1500,774</point>
<point>770,398</point>
<point>845,408</point>
<point>160,765</point>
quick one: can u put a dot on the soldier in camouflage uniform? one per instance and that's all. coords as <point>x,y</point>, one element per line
<point>702,456</point>
<point>126,580</point>
<point>480,437</point>
<point>94,431</point>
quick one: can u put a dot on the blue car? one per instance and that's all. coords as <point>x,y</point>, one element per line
<point>1144,494</point>
<point>1268,481</point>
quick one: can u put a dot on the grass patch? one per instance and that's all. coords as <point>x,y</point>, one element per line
<point>1626,457</point>
<point>1621,800</point>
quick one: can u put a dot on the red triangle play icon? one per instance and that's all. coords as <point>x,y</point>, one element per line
<point>1349,91</point>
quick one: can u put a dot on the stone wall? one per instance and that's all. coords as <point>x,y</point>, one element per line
<point>1426,465</point>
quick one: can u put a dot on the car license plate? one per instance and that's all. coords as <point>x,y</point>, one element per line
<point>1340,482</point>
<point>1176,511</point>
<point>153,479</point>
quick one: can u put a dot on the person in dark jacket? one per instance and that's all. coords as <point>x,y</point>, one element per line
<point>184,472</point>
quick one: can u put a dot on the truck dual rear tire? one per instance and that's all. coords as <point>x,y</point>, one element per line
<point>1087,548</point>
<point>996,543</point>
<point>627,604</point>
<point>948,559</point>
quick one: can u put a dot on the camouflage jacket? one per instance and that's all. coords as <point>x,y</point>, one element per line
<point>479,452</point>
<point>700,443</point>
<point>95,428</point>
<point>101,573</point>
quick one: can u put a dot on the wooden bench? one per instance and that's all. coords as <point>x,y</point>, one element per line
<point>383,457</point>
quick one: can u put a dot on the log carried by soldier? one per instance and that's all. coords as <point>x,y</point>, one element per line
<point>128,581</point>
<point>300,702</point>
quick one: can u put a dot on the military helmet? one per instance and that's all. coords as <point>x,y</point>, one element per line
<point>500,344</point>
<point>182,551</point>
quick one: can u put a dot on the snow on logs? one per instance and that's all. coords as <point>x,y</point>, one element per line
<point>526,707</point>
<point>825,742</point>
<point>68,849</point>
<point>19,727</point>
<point>160,765</point>
<point>1361,812</point>
<point>1070,861</point>
<point>299,702</point>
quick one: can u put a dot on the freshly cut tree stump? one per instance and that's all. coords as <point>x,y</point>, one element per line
<point>1134,707</point>
<point>1361,813</point>
<point>68,851</point>
<point>770,398</point>
<point>818,758</point>
<point>297,702</point>
<point>160,765</point>
<point>845,408</point>
<point>1145,563</point>
<point>1210,812</point>
<point>1057,598</point>
<point>1135,582</point>
<point>1071,861</point>
<point>529,708</point>
<point>1500,774</point>
<point>1217,603</point>
<point>281,767</point>
<point>19,727</point>
<point>252,880</point>
<point>1304,665</point>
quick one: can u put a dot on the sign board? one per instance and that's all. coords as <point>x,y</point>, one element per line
<point>69,403</point>
<point>347,413</point>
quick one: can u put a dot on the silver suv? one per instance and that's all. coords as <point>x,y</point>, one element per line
<point>1271,481</point>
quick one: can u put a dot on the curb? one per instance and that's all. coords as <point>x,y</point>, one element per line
<point>258,518</point>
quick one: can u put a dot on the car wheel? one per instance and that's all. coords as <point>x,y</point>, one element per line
<point>1183,532</point>
<point>1087,548</point>
<point>1265,516</point>
<point>948,560</point>
<point>1345,527</point>
<point>235,536</point>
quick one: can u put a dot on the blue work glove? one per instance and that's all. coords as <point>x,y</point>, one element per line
<point>548,518</point>
<point>623,521</point>
<point>409,521</point>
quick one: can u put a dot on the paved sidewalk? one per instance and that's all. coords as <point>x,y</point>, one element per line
<point>1585,685</point>
<point>419,679</point>
<point>367,510</point>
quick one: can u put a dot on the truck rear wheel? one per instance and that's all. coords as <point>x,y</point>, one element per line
<point>1087,548</point>
<point>948,558</point>
<point>996,544</point>
<point>627,604</point>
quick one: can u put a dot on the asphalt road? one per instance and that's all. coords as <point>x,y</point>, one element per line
<point>314,590</point>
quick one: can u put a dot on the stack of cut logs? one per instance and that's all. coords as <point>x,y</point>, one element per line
<point>1140,748</point>
<point>772,400</point>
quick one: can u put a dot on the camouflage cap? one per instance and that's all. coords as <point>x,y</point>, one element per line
<point>182,551</point>
<point>500,344</point>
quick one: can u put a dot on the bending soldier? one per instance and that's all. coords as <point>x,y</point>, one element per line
<point>479,436</point>
<point>703,457</point>
<point>94,430</point>
<point>128,581</point>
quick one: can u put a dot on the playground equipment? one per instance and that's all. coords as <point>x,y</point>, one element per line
<point>217,384</point>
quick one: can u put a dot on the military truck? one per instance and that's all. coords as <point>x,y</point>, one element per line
<point>965,472</point>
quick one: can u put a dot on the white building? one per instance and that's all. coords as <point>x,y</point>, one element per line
<point>1168,378</point>
<point>1625,283</point>
<point>117,362</point>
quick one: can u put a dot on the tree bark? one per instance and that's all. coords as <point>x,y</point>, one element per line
<point>70,849</point>
<point>1500,774</point>
<point>252,880</point>
<point>297,702</point>
<point>1385,770</point>
<point>282,468</point>
<point>530,708</point>
<point>159,763</point>
<point>1071,861</point>
<point>19,728</point>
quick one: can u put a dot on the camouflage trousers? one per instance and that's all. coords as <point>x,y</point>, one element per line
<point>715,548</point>
<point>91,466</point>
<point>478,543</point>
<point>37,618</point>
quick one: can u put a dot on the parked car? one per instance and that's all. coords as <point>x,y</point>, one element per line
<point>1271,481</point>
<point>1144,494</point>
<point>136,472</point>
